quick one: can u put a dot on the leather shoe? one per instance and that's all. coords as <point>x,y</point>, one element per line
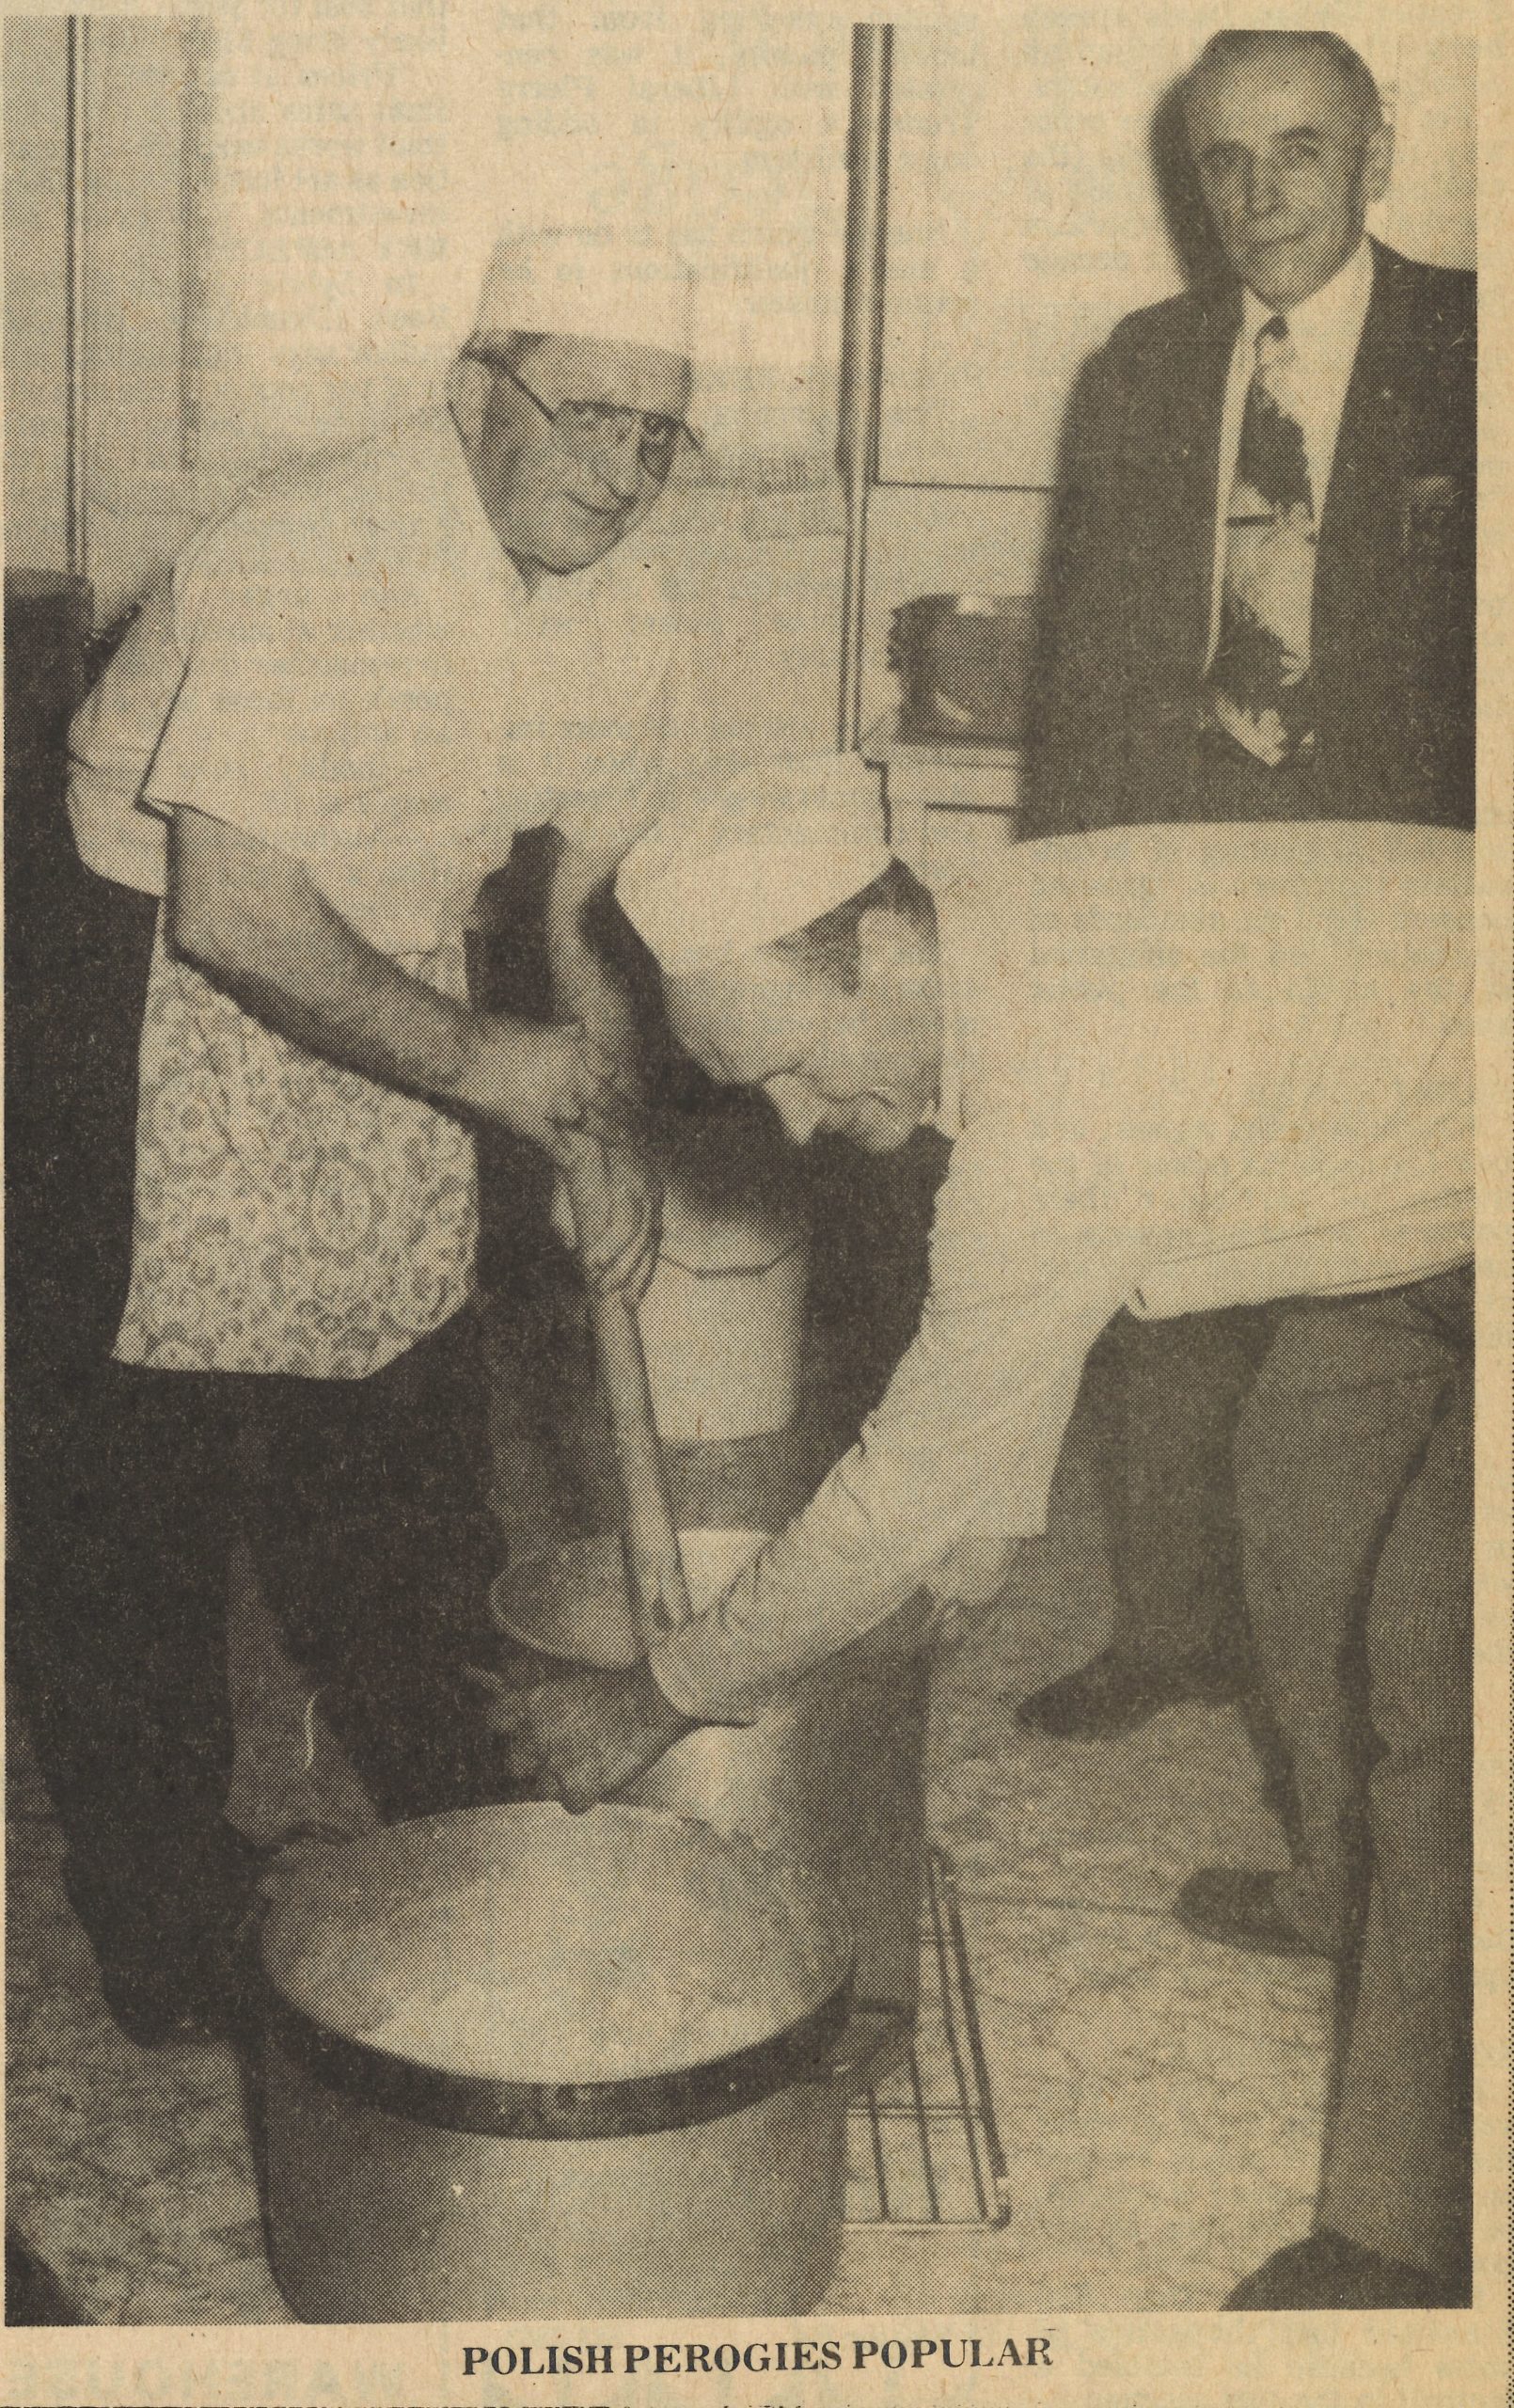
<point>1237,1905</point>
<point>1327,2271</point>
<point>1118,1693</point>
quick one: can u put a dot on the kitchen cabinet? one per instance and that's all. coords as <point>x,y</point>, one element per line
<point>951,806</point>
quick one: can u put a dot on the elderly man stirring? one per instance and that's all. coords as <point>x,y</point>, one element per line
<point>317,742</point>
<point>1181,1070</point>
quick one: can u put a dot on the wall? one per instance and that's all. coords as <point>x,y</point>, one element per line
<point>1040,188</point>
<point>36,293</point>
<point>339,274</point>
<point>1013,250</point>
<point>142,497</point>
<point>762,613</point>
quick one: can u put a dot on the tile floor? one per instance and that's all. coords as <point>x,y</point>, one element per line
<point>1159,2098</point>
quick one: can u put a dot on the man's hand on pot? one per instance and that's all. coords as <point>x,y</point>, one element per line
<point>582,1736</point>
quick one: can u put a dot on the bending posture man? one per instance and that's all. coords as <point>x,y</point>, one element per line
<point>1260,604</point>
<point>1180,1070</point>
<point>317,742</point>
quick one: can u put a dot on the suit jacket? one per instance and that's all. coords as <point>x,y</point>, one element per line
<point>1126,598</point>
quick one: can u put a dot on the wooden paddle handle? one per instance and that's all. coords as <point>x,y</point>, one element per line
<point>658,1591</point>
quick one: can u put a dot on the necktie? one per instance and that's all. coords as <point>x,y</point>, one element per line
<point>1258,680</point>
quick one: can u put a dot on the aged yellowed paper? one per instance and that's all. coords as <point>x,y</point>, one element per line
<point>985,533</point>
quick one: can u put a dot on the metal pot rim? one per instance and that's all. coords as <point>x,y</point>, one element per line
<point>801,2052</point>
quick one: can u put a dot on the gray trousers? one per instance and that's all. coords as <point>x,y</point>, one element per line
<point>1354,1496</point>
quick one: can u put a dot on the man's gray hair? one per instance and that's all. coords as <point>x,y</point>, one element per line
<point>1237,42</point>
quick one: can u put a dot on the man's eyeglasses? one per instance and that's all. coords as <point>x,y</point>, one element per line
<point>585,431</point>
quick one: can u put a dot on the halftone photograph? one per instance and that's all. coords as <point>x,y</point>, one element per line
<point>740,773</point>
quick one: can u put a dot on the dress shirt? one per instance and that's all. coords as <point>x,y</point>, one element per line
<point>1325,331</point>
<point>1197,1067</point>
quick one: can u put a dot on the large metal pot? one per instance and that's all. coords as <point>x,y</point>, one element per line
<point>522,2066</point>
<point>832,1772</point>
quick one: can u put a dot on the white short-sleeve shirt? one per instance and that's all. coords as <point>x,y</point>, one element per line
<point>348,667</point>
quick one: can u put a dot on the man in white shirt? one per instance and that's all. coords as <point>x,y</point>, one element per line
<point>310,749</point>
<point>1260,604</point>
<point>1180,1070</point>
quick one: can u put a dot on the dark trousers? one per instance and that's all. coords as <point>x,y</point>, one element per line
<point>365,1505</point>
<point>1177,1390</point>
<point>1354,1477</point>
<point>365,1502</point>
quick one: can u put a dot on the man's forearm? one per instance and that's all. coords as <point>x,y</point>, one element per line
<point>798,1603</point>
<point>251,920</point>
<point>964,1443</point>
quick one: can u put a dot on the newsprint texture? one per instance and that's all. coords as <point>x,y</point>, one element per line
<point>757,1170</point>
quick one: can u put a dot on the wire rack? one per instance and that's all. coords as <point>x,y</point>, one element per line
<point>923,2146</point>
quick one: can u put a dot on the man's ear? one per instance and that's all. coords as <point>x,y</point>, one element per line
<point>1378,163</point>
<point>886,943</point>
<point>467,394</point>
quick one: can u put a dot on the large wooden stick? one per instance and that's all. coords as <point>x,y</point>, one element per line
<point>654,1567</point>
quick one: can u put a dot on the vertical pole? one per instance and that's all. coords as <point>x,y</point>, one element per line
<point>76,417</point>
<point>196,37</point>
<point>861,351</point>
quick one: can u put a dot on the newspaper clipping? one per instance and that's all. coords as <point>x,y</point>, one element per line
<point>752,875</point>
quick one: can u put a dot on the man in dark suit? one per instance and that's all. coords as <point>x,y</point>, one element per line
<point>1260,604</point>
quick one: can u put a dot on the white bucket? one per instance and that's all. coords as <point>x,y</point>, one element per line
<point>722,1322</point>
<point>722,1328</point>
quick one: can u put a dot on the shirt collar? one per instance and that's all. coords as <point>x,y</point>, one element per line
<point>1330,322</point>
